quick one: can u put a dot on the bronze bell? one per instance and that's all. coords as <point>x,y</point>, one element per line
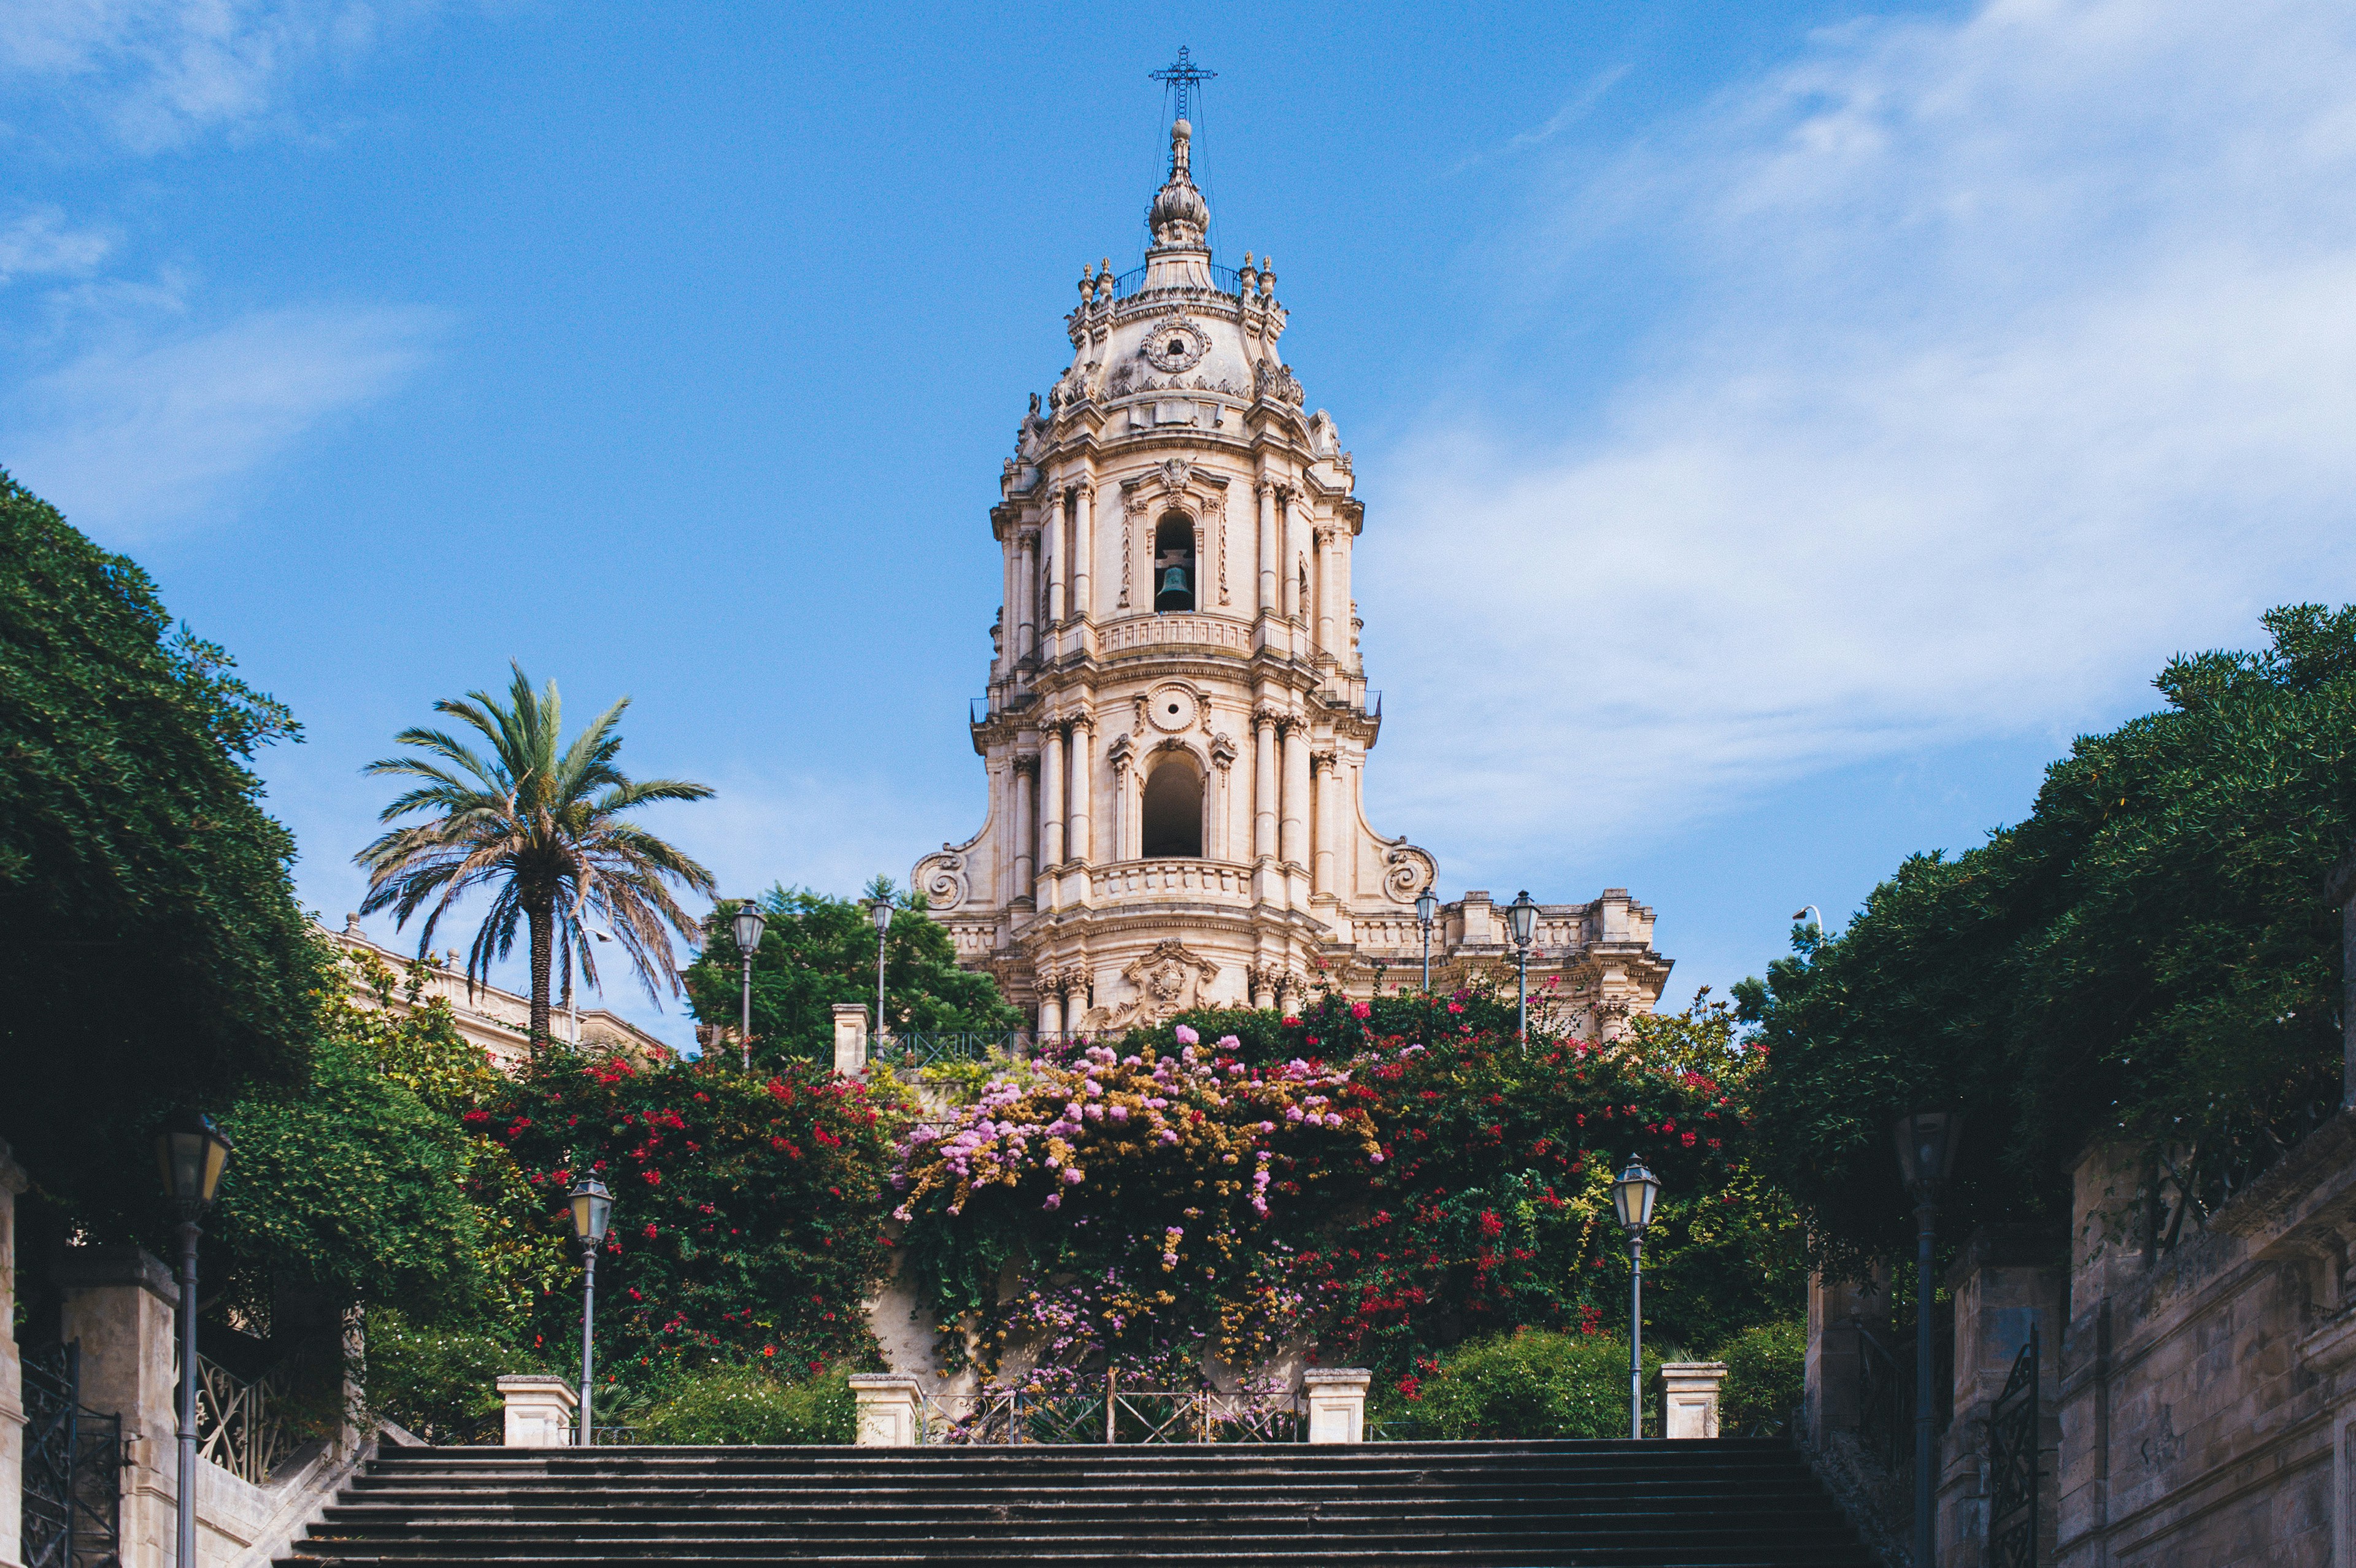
<point>1174,580</point>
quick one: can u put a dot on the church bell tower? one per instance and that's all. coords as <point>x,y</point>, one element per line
<point>1178,718</point>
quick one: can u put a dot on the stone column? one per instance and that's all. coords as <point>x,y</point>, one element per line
<point>1051,540</point>
<point>1026,582</point>
<point>890,1410</point>
<point>1270,605</point>
<point>1083,542</point>
<point>1323,580</point>
<point>1293,832</point>
<point>1080,842</point>
<point>120,1302</point>
<point>1263,784</point>
<point>1346,609</point>
<point>1051,1007</point>
<point>1051,800</point>
<point>1328,788</point>
<point>539,1411</point>
<point>1337,1402</point>
<point>1223,758</point>
<point>1026,825</point>
<point>850,1038</point>
<point>1690,1397</point>
<point>1289,552</point>
<point>12,1369</point>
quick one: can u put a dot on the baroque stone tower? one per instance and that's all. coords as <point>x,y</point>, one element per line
<point>1178,718</point>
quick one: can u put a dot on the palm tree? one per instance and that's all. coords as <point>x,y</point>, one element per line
<point>538,822</point>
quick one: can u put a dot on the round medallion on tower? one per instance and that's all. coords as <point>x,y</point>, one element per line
<point>1172,708</point>
<point>1175,345</point>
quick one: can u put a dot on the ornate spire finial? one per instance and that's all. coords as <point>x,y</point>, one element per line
<point>1181,76</point>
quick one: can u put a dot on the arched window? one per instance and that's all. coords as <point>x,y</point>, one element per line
<point>1173,563</point>
<point>1173,811</point>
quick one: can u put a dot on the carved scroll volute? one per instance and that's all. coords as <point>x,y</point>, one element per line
<point>1407,870</point>
<point>942,879</point>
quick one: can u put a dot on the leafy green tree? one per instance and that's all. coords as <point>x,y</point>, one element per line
<point>2148,957</point>
<point>151,945</point>
<point>816,951</point>
<point>538,822</point>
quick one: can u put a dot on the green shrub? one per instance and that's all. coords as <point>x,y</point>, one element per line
<point>745,1404</point>
<point>440,1383</point>
<point>1765,1371</point>
<point>1530,1384</point>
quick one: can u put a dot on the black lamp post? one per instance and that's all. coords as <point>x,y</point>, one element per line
<point>1522,919</point>
<point>749,923</point>
<point>592,1204</point>
<point>1926,1157</point>
<point>1632,1198</point>
<point>193,1153</point>
<point>880,909</point>
<point>1427,906</point>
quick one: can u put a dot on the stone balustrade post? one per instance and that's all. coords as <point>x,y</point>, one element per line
<point>850,1038</point>
<point>890,1410</point>
<point>12,1369</point>
<point>1337,1403</point>
<point>1690,1397</point>
<point>1833,1366</point>
<point>2007,1281</point>
<point>120,1303</point>
<point>539,1411</point>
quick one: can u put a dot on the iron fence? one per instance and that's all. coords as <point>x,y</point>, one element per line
<point>2012,1463</point>
<point>2194,1178</point>
<point>73,1469</point>
<point>243,1425</point>
<point>1114,1415</point>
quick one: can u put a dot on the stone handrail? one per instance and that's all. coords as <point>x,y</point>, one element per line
<point>1194,878</point>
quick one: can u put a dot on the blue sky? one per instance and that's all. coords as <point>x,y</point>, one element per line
<point>1781,427</point>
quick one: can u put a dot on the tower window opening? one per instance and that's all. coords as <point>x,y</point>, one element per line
<point>1173,564</point>
<point>1172,818</point>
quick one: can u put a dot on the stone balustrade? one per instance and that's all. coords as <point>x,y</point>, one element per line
<point>1690,1397</point>
<point>1217,882</point>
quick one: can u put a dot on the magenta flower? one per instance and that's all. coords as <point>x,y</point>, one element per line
<point>1186,1036</point>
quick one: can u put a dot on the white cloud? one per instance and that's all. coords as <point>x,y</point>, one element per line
<point>158,72</point>
<point>2018,353</point>
<point>41,243</point>
<point>141,433</point>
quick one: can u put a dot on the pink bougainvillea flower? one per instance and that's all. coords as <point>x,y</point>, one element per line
<point>1186,1036</point>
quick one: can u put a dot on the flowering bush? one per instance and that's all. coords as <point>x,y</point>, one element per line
<point>1529,1383</point>
<point>745,1208</point>
<point>745,1404</point>
<point>1403,1180</point>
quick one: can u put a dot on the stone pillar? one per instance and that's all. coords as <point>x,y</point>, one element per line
<point>1026,825</point>
<point>1293,832</point>
<point>1832,1358</point>
<point>1324,579</point>
<point>1690,1397</point>
<point>1336,1397</point>
<point>1026,587</point>
<point>1269,602</point>
<point>850,1038</point>
<point>1346,609</point>
<point>1326,771</point>
<point>1058,562</point>
<point>120,1303</point>
<point>1294,548</point>
<point>2007,1281</point>
<point>12,1369</point>
<point>1084,539</point>
<point>1221,802</point>
<point>540,1412</point>
<point>1050,1010</point>
<point>1263,784</point>
<point>1080,842</point>
<point>891,1412</point>
<point>1051,800</point>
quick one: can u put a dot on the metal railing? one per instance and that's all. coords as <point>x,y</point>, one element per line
<point>242,1426</point>
<point>1117,1416</point>
<point>73,1469</point>
<point>2012,1463</point>
<point>1885,1391</point>
<point>1226,279</point>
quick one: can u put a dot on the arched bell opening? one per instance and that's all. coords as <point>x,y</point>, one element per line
<point>1173,563</point>
<point>1173,815</point>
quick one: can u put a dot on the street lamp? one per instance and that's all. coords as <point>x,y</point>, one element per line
<point>192,1153</point>
<point>1522,918</point>
<point>1810,911</point>
<point>1926,1157</point>
<point>1633,1196</point>
<point>592,1204</point>
<point>749,924</point>
<point>1427,906</point>
<point>879,908</point>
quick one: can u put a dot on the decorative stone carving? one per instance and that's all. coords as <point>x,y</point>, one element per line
<point>1173,707</point>
<point>941,878</point>
<point>1407,871</point>
<point>1166,982</point>
<point>1275,382</point>
<point>1175,346</point>
<point>1223,749</point>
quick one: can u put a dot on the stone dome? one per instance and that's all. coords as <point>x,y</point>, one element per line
<point>1179,215</point>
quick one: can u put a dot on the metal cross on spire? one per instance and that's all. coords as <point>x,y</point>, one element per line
<point>1183,76</point>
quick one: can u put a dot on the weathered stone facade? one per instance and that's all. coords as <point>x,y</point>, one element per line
<point>1178,718</point>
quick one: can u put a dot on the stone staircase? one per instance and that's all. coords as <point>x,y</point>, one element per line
<point>1723,1503</point>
